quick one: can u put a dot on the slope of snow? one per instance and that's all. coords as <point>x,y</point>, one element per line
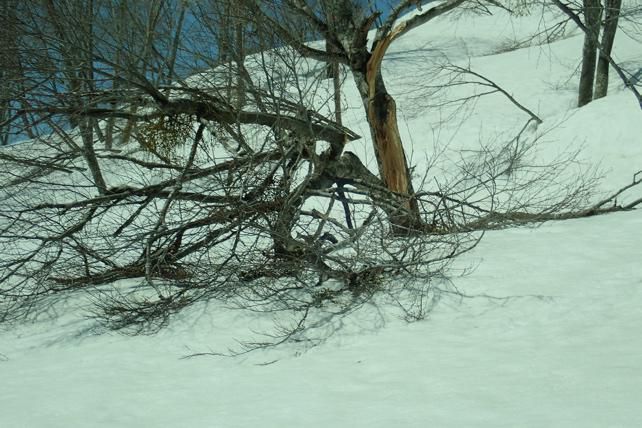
<point>557,344</point>
<point>547,335</point>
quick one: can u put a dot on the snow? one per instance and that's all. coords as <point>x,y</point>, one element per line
<point>547,333</point>
<point>561,349</point>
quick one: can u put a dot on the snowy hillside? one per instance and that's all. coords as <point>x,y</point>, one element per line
<point>539,326</point>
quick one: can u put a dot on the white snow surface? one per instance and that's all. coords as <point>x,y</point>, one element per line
<point>547,335</point>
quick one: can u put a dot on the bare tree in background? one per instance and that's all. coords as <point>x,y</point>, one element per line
<point>596,52</point>
<point>599,21</point>
<point>611,18</point>
<point>7,81</point>
<point>141,39</point>
<point>71,23</point>
<point>592,11</point>
<point>228,23</point>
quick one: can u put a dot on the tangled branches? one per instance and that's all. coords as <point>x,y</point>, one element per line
<point>284,227</point>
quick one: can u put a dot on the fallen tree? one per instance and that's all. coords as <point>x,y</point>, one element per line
<point>258,204</point>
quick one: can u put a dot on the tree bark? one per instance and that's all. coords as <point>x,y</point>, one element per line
<point>8,68</point>
<point>611,17</point>
<point>87,133</point>
<point>381,112</point>
<point>336,88</point>
<point>592,15</point>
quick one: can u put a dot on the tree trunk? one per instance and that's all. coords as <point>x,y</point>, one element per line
<point>612,14</point>
<point>89,153</point>
<point>240,59</point>
<point>336,88</point>
<point>333,71</point>
<point>381,111</point>
<point>592,15</point>
<point>7,68</point>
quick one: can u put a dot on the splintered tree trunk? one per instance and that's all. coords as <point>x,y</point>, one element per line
<point>391,159</point>
<point>592,15</point>
<point>382,118</point>
<point>381,111</point>
<point>612,14</point>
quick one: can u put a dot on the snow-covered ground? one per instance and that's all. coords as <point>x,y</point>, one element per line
<point>548,334</point>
